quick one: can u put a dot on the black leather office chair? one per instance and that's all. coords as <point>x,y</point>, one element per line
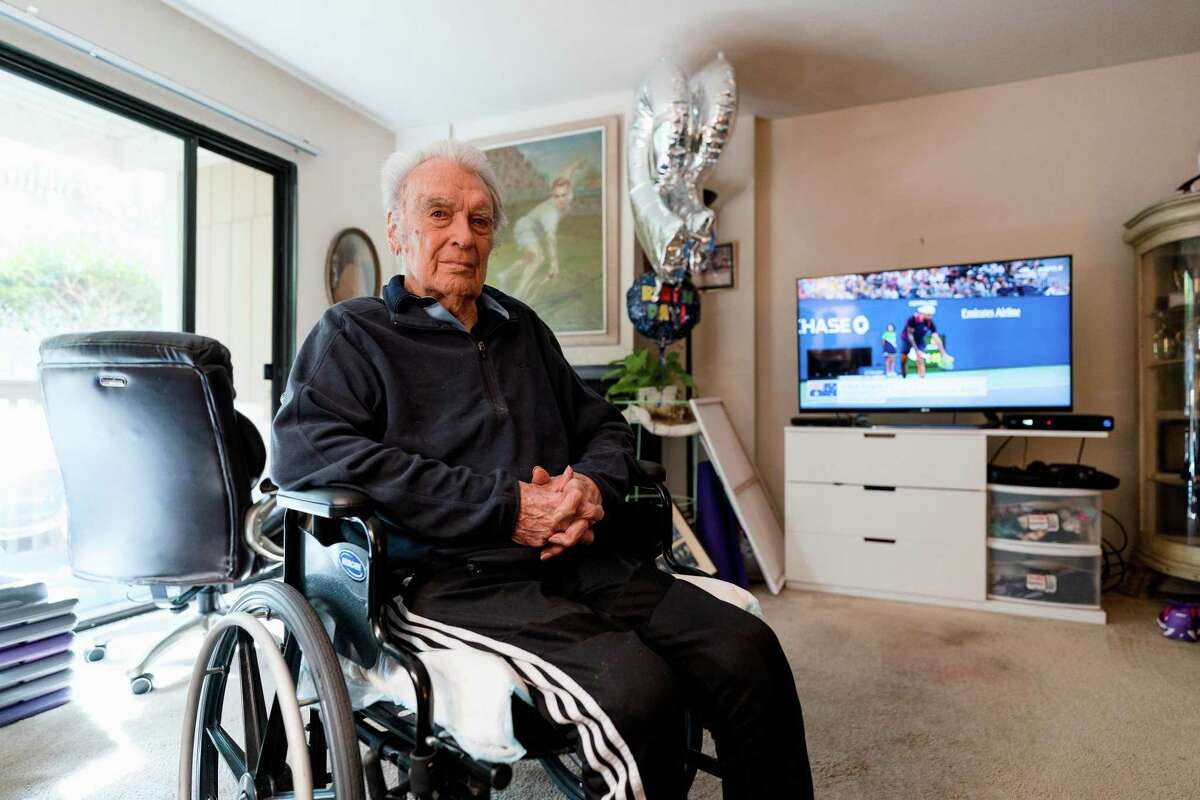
<point>158,469</point>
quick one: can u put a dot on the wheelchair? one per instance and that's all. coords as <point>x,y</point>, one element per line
<point>330,603</point>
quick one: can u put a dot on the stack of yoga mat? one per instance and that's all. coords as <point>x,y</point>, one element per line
<point>35,650</point>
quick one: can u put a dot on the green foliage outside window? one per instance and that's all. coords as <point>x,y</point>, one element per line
<point>55,290</point>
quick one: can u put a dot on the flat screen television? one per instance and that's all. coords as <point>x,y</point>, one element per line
<point>991,336</point>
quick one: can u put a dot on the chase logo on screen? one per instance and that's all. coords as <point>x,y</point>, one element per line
<point>823,389</point>
<point>352,565</point>
<point>834,325</point>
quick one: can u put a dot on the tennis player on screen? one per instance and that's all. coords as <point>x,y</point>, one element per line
<point>920,327</point>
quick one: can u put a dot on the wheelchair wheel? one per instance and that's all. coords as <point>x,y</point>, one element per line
<point>565,770</point>
<point>257,766</point>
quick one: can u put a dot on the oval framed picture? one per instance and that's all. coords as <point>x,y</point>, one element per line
<point>351,267</point>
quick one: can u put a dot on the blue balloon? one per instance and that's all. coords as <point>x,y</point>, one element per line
<point>661,311</point>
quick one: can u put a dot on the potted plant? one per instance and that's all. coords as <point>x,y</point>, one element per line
<point>649,382</point>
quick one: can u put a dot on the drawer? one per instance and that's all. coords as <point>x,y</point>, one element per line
<point>1036,514</point>
<point>1038,573</point>
<point>951,571</point>
<point>888,458</point>
<point>930,515</point>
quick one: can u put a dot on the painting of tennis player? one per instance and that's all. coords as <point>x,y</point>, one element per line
<point>558,252</point>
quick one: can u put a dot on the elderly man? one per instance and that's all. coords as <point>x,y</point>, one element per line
<point>452,406</point>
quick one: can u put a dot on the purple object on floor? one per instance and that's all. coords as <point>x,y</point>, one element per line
<point>1180,622</point>
<point>717,526</point>
<point>37,705</point>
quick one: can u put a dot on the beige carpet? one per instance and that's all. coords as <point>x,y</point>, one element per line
<point>901,701</point>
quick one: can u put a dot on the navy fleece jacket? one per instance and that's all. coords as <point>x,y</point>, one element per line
<point>437,425</point>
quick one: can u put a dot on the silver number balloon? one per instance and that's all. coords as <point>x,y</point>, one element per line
<point>678,132</point>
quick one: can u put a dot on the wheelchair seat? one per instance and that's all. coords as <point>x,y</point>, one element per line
<point>478,691</point>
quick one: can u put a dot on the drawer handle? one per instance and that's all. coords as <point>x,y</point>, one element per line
<point>878,541</point>
<point>879,436</point>
<point>870,488</point>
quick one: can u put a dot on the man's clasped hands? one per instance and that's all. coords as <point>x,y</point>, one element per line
<point>557,512</point>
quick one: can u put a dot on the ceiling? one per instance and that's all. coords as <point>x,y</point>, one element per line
<point>409,64</point>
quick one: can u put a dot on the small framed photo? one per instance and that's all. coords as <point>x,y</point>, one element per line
<point>351,267</point>
<point>720,274</point>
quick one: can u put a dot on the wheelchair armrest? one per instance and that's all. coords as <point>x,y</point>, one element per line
<point>655,475</point>
<point>330,502</point>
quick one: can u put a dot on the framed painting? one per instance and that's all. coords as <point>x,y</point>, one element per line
<point>351,267</point>
<point>720,275</point>
<point>559,253</point>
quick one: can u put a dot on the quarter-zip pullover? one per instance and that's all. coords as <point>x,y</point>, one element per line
<point>438,424</point>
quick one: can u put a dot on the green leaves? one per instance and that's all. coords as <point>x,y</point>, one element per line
<point>75,288</point>
<point>641,369</point>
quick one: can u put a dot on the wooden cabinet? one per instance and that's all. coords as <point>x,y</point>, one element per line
<point>1166,239</point>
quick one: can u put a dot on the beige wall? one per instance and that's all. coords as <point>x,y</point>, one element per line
<point>1053,165</point>
<point>724,350</point>
<point>337,189</point>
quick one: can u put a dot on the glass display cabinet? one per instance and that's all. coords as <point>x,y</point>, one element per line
<point>1166,238</point>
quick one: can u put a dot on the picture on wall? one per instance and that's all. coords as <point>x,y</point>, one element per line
<point>559,251</point>
<point>351,267</point>
<point>722,266</point>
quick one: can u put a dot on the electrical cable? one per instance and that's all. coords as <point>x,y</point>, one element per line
<point>1114,567</point>
<point>1079,457</point>
<point>998,449</point>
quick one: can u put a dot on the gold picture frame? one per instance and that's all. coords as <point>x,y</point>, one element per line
<point>351,267</point>
<point>560,252</point>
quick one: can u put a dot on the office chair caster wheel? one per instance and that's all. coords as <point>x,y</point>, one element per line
<point>96,652</point>
<point>142,684</point>
<point>298,739</point>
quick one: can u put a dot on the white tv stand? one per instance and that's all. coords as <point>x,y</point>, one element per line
<point>901,514</point>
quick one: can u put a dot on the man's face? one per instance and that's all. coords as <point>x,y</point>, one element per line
<point>447,231</point>
<point>562,197</point>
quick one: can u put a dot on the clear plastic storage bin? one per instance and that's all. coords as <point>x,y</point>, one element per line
<point>1045,573</point>
<point>1043,515</point>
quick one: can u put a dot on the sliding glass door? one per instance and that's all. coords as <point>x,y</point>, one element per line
<point>235,214</point>
<point>117,215</point>
<point>92,209</point>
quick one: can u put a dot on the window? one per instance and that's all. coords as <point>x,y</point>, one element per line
<point>119,215</point>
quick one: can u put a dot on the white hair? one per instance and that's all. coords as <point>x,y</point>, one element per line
<point>400,164</point>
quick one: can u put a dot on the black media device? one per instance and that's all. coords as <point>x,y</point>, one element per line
<point>1058,422</point>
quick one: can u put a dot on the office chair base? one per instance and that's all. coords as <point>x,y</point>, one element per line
<point>140,680</point>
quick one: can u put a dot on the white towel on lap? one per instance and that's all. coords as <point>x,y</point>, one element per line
<point>472,693</point>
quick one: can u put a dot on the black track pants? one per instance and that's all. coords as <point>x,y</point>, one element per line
<point>614,648</point>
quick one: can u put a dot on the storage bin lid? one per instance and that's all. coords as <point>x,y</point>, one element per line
<point>1044,548</point>
<point>1043,491</point>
